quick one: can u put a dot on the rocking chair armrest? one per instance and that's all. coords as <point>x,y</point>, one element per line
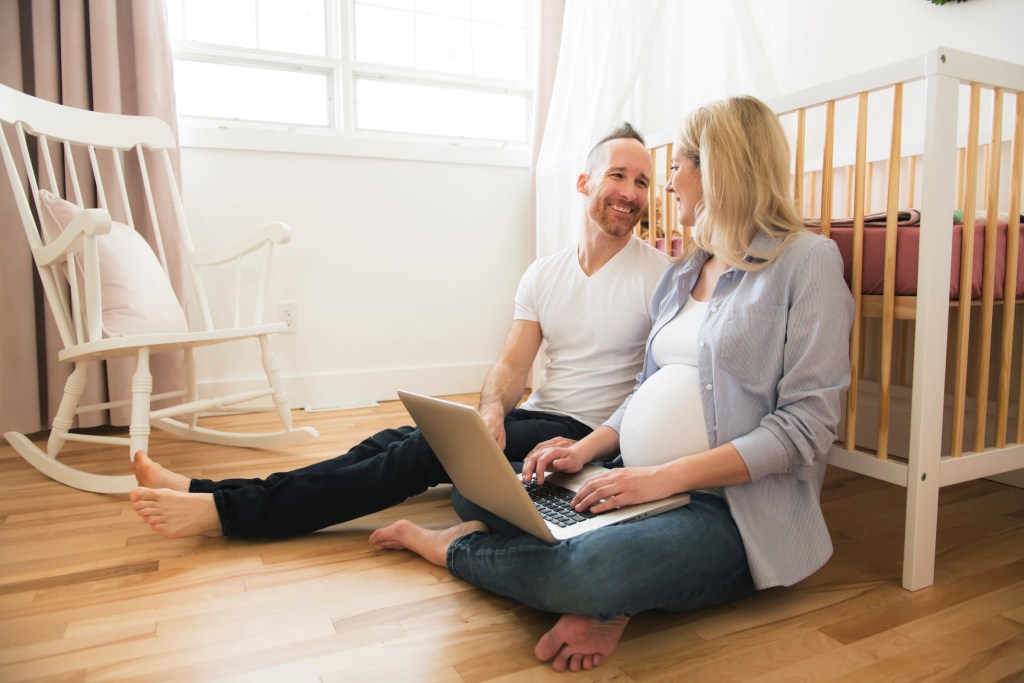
<point>271,233</point>
<point>91,222</point>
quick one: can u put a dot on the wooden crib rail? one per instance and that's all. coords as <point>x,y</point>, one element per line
<point>979,178</point>
<point>937,392</point>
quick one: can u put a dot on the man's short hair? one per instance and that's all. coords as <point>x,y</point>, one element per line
<point>624,131</point>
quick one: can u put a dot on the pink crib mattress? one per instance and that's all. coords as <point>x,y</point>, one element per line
<point>908,238</point>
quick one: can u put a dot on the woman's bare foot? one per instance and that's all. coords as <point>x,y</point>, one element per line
<point>578,643</point>
<point>430,544</point>
<point>174,514</point>
<point>156,476</point>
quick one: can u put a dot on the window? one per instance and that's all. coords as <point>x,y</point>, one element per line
<point>453,70</point>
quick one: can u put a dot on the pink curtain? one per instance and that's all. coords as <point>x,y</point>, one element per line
<point>112,56</point>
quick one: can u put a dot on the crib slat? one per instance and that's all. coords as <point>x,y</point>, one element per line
<point>667,205</point>
<point>652,202</point>
<point>811,194</point>
<point>1010,288</point>
<point>798,173</point>
<point>827,177</point>
<point>889,277</point>
<point>989,270</point>
<point>966,268</point>
<point>857,271</point>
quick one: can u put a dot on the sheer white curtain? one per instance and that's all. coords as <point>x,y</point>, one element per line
<point>646,61</point>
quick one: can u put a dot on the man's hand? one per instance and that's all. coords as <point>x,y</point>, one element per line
<point>506,381</point>
<point>621,487</point>
<point>495,425</point>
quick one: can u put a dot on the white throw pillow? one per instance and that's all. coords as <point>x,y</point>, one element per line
<point>137,296</point>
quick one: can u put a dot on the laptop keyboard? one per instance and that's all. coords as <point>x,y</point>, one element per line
<point>553,504</point>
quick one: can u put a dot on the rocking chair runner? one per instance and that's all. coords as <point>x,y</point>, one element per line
<point>121,302</point>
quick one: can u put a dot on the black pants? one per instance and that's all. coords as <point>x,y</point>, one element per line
<point>382,471</point>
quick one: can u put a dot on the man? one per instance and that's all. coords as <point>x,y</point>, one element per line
<point>590,303</point>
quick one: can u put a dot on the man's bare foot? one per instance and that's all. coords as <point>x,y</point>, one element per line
<point>156,476</point>
<point>174,514</point>
<point>430,544</point>
<point>579,643</point>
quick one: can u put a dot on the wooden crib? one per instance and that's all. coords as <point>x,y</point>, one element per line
<point>881,161</point>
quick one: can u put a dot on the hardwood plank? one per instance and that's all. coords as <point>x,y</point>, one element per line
<point>88,593</point>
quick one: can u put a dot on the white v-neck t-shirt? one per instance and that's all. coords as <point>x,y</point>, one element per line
<point>595,327</point>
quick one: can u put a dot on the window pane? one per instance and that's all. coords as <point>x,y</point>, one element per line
<point>448,8</point>
<point>250,93</point>
<point>224,22</point>
<point>292,26</point>
<point>406,108</point>
<point>499,52</point>
<point>443,44</point>
<point>505,12</point>
<point>385,36</point>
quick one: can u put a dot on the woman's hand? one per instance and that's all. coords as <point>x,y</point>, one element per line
<point>557,441</point>
<point>621,487</point>
<point>553,458</point>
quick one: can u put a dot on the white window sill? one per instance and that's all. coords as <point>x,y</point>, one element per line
<point>308,142</point>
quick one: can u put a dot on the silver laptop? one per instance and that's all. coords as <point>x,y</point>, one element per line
<point>479,469</point>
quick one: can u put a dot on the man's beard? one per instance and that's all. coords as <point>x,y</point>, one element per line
<point>614,223</point>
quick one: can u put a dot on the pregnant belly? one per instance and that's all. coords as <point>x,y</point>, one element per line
<point>665,419</point>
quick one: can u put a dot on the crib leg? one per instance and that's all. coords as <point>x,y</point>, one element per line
<point>921,527</point>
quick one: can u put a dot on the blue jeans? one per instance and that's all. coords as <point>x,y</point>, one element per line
<point>681,560</point>
<point>382,471</point>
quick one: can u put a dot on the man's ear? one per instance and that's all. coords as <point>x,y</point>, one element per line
<point>582,184</point>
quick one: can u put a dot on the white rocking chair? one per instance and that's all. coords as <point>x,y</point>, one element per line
<point>81,252</point>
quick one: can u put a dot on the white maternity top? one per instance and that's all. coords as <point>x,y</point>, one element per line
<point>665,419</point>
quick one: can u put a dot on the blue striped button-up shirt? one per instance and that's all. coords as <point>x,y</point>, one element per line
<point>773,366</point>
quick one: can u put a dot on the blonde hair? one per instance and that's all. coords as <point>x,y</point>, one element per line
<point>743,158</point>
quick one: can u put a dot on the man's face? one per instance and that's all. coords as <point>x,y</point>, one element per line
<point>616,189</point>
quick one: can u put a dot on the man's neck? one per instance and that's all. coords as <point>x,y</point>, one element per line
<point>596,248</point>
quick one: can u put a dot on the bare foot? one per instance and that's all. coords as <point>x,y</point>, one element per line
<point>430,544</point>
<point>154,475</point>
<point>174,514</point>
<point>578,643</point>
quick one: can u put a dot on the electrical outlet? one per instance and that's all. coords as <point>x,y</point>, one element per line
<point>288,313</point>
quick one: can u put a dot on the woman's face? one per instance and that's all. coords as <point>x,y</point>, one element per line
<point>684,183</point>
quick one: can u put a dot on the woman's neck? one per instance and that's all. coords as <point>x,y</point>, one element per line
<point>709,274</point>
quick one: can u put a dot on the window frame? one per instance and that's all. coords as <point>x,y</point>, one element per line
<point>340,136</point>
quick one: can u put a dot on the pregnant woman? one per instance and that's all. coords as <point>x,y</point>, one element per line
<point>738,403</point>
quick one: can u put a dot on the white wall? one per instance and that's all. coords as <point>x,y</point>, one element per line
<point>769,48</point>
<point>403,271</point>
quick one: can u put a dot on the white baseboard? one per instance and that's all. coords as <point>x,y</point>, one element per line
<point>362,387</point>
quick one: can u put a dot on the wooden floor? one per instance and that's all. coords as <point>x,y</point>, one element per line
<point>87,592</point>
